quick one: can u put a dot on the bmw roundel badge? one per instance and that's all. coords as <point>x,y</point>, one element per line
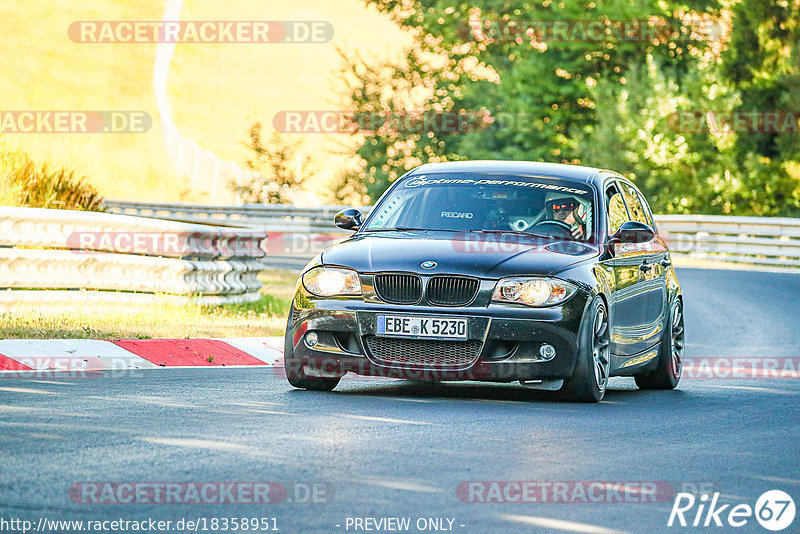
<point>428,264</point>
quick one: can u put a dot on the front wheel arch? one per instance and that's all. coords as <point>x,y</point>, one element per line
<point>587,384</point>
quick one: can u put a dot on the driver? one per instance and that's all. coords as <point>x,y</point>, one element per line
<point>569,211</point>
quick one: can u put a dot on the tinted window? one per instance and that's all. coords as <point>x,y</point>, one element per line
<point>495,202</point>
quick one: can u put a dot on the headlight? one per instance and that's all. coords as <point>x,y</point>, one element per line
<point>330,281</point>
<point>533,291</point>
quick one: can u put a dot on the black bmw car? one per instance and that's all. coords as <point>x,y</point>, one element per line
<point>550,275</point>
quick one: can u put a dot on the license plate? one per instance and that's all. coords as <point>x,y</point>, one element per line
<point>432,327</point>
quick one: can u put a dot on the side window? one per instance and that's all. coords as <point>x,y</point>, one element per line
<point>635,208</point>
<point>647,211</point>
<point>616,212</point>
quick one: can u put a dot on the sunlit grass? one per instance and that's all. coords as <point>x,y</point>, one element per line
<point>44,70</point>
<point>217,91</point>
<point>26,183</point>
<point>265,317</point>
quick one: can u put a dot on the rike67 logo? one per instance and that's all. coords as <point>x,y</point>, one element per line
<point>774,510</point>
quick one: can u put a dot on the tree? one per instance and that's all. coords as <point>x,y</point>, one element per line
<point>763,64</point>
<point>609,102</point>
<point>474,60</point>
<point>277,168</point>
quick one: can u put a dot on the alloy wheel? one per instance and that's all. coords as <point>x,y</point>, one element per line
<point>676,355</point>
<point>600,348</point>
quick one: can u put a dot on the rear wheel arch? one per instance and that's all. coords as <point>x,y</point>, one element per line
<point>666,372</point>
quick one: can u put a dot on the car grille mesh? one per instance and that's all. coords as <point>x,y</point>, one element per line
<point>441,290</point>
<point>427,353</point>
<point>451,290</point>
<point>398,288</point>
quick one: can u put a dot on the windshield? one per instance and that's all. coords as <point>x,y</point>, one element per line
<point>469,202</point>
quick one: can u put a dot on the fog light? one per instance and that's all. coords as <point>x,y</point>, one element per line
<point>547,352</point>
<point>311,339</point>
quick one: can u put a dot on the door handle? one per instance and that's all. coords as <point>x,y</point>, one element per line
<point>665,263</point>
<point>645,267</point>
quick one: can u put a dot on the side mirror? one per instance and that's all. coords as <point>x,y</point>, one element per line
<point>349,219</point>
<point>632,232</point>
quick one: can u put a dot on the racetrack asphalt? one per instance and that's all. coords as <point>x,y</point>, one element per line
<point>381,448</point>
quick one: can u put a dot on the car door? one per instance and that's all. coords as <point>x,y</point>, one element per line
<point>651,292</point>
<point>628,300</point>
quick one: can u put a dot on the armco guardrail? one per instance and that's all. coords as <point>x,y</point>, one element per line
<point>272,218</point>
<point>45,255</point>
<point>757,240</point>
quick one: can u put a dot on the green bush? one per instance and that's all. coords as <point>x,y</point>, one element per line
<point>26,183</point>
<point>598,102</point>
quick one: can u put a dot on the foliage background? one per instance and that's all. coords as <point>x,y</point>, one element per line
<point>610,103</point>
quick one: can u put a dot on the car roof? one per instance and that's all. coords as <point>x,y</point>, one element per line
<point>576,173</point>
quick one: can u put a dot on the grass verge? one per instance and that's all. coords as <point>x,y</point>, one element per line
<point>691,262</point>
<point>265,317</point>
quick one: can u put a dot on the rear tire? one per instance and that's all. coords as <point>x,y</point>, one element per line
<point>589,380</point>
<point>670,354</point>
<point>294,368</point>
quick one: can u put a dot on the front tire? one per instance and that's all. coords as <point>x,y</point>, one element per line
<point>589,380</point>
<point>670,359</point>
<point>294,368</point>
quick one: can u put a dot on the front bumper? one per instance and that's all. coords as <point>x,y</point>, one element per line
<point>507,340</point>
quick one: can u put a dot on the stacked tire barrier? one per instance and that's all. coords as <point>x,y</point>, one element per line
<point>52,256</point>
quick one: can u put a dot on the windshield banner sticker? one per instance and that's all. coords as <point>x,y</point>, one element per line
<point>425,181</point>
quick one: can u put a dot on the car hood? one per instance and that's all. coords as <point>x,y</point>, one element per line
<point>468,253</point>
